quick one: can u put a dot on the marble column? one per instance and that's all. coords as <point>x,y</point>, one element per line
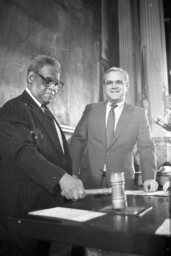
<point>142,50</point>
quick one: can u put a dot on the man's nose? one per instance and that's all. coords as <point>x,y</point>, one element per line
<point>53,86</point>
<point>114,84</point>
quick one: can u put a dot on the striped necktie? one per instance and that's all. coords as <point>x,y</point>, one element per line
<point>48,113</point>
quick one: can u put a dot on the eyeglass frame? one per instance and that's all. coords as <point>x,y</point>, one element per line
<point>116,82</point>
<point>58,84</point>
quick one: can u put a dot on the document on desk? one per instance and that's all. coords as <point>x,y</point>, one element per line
<point>68,214</point>
<point>164,228</point>
<point>143,193</point>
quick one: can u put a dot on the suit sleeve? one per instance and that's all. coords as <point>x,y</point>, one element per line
<point>78,141</point>
<point>146,149</point>
<point>18,145</point>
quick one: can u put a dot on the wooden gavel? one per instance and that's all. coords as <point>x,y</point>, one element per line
<point>116,181</point>
<point>98,191</point>
<point>117,190</point>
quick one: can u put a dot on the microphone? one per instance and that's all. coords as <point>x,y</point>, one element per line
<point>161,123</point>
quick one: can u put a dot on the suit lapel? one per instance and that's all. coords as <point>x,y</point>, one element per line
<point>100,120</point>
<point>36,110</point>
<point>48,126</point>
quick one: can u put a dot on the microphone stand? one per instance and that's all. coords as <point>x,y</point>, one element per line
<point>163,124</point>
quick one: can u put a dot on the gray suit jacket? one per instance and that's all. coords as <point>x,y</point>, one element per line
<point>89,151</point>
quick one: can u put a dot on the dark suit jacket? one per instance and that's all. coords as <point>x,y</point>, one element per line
<point>89,141</point>
<point>32,162</point>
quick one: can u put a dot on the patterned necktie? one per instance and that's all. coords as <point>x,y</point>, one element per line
<point>48,113</point>
<point>110,125</point>
<point>53,122</point>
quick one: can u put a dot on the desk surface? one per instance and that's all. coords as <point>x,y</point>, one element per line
<point>115,232</point>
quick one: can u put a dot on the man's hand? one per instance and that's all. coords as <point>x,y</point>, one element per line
<point>150,185</point>
<point>71,187</point>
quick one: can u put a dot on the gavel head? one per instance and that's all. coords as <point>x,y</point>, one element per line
<point>117,181</point>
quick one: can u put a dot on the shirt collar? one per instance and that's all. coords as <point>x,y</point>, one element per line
<point>119,104</point>
<point>31,95</point>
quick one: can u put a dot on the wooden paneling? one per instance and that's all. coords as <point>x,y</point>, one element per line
<point>126,44</point>
<point>68,30</point>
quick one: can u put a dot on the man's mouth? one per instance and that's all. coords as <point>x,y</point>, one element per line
<point>114,91</point>
<point>51,93</point>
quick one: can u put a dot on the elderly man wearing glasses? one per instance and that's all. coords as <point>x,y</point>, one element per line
<point>36,170</point>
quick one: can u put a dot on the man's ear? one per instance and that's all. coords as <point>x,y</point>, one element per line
<point>127,85</point>
<point>30,77</point>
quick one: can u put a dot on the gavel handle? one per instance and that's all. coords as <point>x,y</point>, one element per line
<point>98,191</point>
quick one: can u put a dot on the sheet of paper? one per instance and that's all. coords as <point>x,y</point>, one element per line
<point>143,193</point>
<point>164,228</point>
<point>68,214</point>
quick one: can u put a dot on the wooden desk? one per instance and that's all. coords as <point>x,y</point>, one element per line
<point>120,233</point>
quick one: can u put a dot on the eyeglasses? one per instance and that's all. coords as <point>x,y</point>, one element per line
<point>47,81</point>
<point>116,83</point>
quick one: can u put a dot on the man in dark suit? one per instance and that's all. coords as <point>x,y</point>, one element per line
<point>36,171</point>
<point>95,154</point>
